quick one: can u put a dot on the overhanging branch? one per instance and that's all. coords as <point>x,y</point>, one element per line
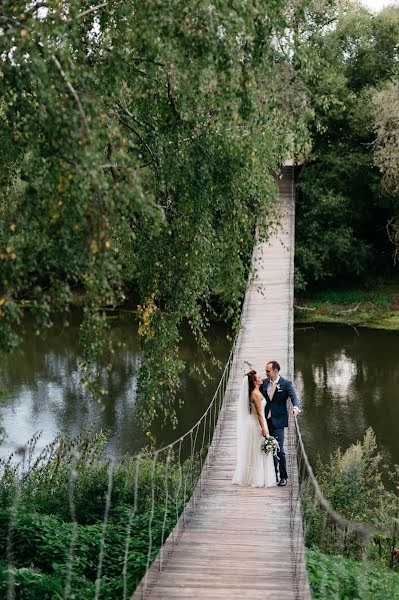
<point>72,90</point>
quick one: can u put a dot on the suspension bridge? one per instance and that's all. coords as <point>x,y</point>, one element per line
<point>236,542</point>
<point>175,526</point>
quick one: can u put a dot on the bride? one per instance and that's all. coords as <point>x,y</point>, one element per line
<point>254,467</point>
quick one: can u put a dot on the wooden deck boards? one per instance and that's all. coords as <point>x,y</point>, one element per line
<point>237,543</point>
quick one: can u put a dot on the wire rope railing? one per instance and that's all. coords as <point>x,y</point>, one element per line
<point>300,582</point>
<point>73,525</point>
<point>363,531</point>
<point>371,542</point>
<point>133,510</point>
<point>192,472</point>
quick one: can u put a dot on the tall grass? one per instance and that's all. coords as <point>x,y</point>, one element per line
<point>378,298</point>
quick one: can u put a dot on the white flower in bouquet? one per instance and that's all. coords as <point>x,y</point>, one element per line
<point>270,444</point>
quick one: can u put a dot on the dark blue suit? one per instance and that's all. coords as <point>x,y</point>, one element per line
<point>277,407</point>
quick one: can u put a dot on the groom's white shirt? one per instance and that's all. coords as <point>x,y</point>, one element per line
<point>271,383</point>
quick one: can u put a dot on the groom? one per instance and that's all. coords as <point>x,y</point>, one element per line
<point>276,390</point>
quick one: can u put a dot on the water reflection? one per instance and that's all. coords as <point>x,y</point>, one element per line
<point>42,391</point>
<point>348,380</point>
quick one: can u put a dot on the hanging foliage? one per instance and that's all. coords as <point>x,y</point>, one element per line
<point>140,142</point>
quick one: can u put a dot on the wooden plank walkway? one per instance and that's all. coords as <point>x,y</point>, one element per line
<point>244,542</point>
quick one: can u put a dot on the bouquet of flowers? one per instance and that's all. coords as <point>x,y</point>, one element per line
<point>270,444</point>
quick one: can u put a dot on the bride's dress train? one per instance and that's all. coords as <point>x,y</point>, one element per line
<point>254,467</point>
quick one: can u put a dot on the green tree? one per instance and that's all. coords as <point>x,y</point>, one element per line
<point>140,146</point>
<point>386,155</point>
<point>343,209</point>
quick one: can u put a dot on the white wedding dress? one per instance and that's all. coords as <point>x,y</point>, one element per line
<point>254,467</point>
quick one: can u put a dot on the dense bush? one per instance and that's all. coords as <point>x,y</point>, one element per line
<point>42,542</point>
<point>343,565</point>
<point>47,537</point>
<point>353,484</point>
<point>44,486</point>
<point>339,578</point>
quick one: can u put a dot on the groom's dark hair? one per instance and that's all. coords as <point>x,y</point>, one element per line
<point>274,364</point>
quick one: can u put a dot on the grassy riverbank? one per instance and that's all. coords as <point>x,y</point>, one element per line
<point>377,308</point>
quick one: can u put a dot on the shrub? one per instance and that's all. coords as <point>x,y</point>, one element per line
<point>353,484</point>
<point>43,526</point>
<point>339,578</point>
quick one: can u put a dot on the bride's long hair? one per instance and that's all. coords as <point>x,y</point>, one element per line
<point>252,384</point>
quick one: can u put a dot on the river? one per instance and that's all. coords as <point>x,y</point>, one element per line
<point>41,388</point>
<point>348,380</point>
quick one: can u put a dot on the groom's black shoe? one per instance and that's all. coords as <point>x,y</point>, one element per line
<point>282,482</point>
